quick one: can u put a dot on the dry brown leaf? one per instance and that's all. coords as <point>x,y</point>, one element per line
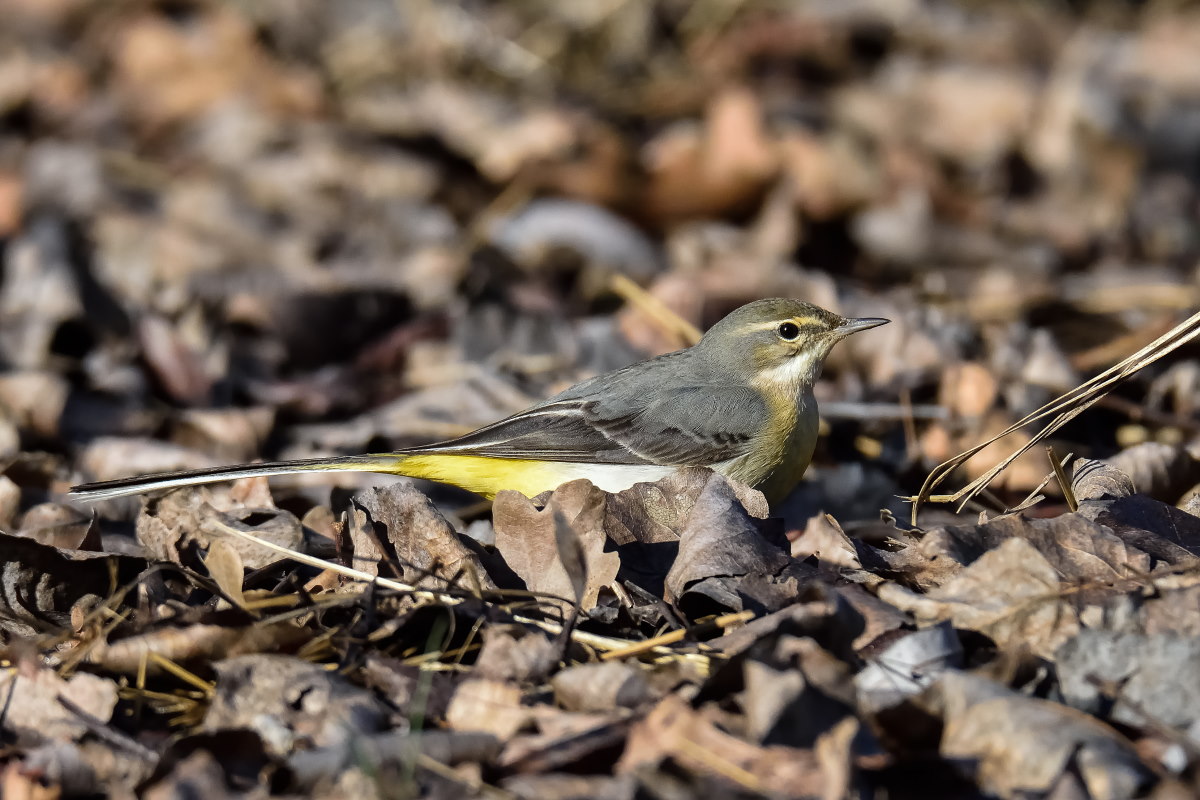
<point>32,710</point>
<point>721,544</point>
<point>968,389</point>
<point>34,400</point>
<point>1158,470</point>
<point>1080,550</point>
<point>1155,678</point>
<point>112,457</point>
<point>516,653</point>
<point>199,642</point>
<point>675,730</point>
<point>228,434</point>
<point>1014,745</point>
<point>1098,480</point>
<point>178,525</point>
<point>224,564</point>
<point>723,168</point>
<point>41,584</point>
<point>487,706</point>
<point>824,538</point>
<point>10,502</point>
<point>526,537</point>
<point>288,701</point>
<point>601,687</point>
<point>1012,594</point>
<point>60,526</point>
<point>413,534</point>
<point>178,368</point>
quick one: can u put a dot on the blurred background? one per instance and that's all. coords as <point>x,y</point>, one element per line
<point>284,228</point>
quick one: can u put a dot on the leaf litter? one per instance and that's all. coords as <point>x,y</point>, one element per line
<point>230,233</point>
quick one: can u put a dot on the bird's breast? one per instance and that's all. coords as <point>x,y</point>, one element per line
<point>782,452</point>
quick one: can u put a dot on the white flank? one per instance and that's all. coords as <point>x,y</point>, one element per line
<point>613,477</point>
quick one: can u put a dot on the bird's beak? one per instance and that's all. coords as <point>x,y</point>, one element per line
<point>855,325</point>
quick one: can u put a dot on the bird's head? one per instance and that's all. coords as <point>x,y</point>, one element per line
<point>779,344</point>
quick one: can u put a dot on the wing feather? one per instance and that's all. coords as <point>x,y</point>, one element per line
<point>690,425</point>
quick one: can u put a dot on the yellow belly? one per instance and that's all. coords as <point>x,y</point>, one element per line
<point>487,476</point>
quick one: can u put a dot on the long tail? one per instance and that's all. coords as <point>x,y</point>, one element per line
<point>104,490</point>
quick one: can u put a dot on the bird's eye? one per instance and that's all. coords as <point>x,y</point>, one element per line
<point>789,331</point>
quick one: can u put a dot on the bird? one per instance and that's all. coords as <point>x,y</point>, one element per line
<point>740,401</point>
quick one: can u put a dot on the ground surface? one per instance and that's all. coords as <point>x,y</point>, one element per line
<point>293,228</point>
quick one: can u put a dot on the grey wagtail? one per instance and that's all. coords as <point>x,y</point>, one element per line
<point>740,401</point>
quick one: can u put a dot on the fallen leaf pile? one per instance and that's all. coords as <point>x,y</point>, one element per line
<point>659,639</point>
<point>291,229</point>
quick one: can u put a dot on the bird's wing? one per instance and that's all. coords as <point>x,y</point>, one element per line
<point>683,426</point>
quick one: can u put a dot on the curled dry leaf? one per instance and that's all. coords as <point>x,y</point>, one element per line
<point>1099,480</point>
<point>1081,550</point>
<point>566,740</point>
<point>409,531</point>
<point>61,526</point>
<point>824,538</point>
<point>1158,470</point>
<point>1011,594</point>
<point>40,584</point>
<point>516,653</point>
<point>1013,745</point>
<point>721,543</point>
<point>180,524</point>
<point>527,538</point>
<point>819,613</point>
<point>1167,534</point>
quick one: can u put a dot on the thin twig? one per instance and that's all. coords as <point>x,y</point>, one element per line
<point>1060,411</point>
<point>605,643</point>
<point>1060,474</point>
<point>671,637</point>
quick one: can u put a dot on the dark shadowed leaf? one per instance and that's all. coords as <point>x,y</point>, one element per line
<point>284,699</point>
<point>1158,470</point>
<point>40,584</point>
<point>722,544</point>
